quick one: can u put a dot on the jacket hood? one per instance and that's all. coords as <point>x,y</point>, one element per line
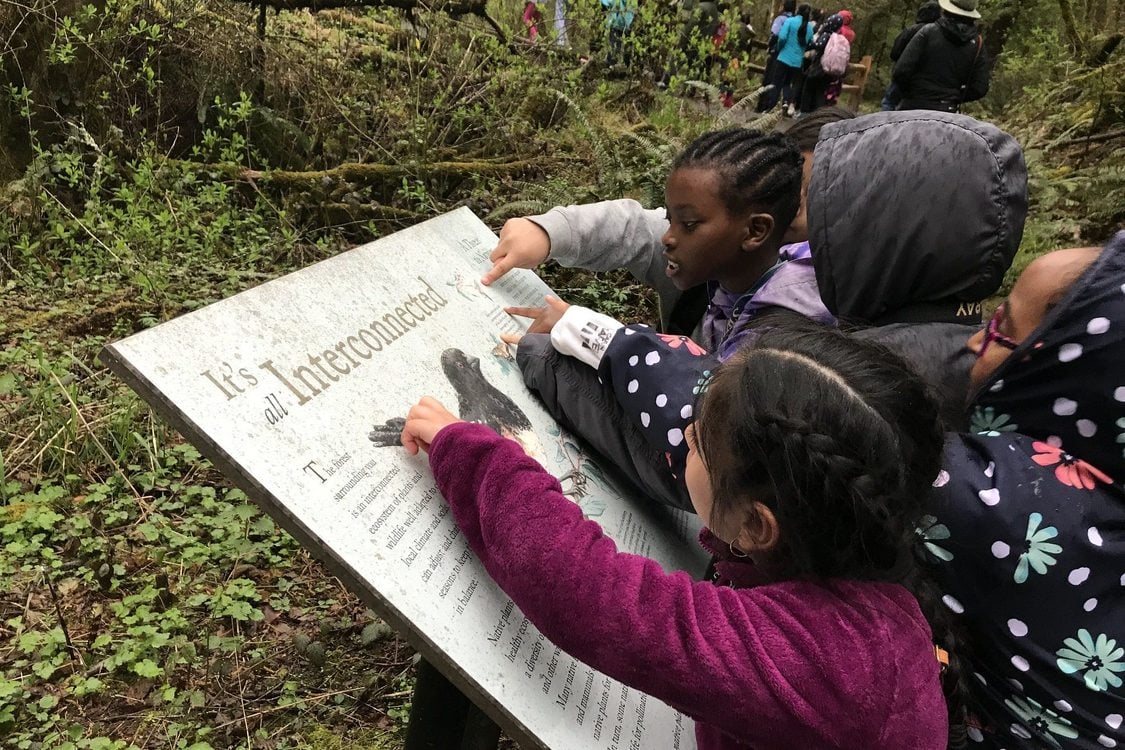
<point>914,216</point>
<point>958,31</point>
<point>846,17</point>
<point>928,13</point>
<point>1065,384</point>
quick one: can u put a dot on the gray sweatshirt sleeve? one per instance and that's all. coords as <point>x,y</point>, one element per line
<point>609,235</point>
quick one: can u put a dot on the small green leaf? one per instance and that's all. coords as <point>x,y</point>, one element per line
<point>147,668</point>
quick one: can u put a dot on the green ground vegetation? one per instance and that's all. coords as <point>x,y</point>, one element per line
<point>159,155</point>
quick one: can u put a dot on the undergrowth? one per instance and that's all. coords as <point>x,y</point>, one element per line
<point>157,157</point>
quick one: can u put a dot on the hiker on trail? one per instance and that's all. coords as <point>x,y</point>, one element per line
<point>838,57</point>
<point>560,24</point>
<point>875,260</point>
<point>928,12</point>
<point>533,20</point>
<point>826,62</point>
<point>815,631</point>
<point>769,99</point>
<point>697,40</point>
<point>945,64</point>
<point>619,21</point>
<point>1026,529</point>
<point>794,38</point>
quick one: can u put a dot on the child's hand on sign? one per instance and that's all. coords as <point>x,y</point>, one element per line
<point>543,318</point>
<point>423,422</point>
<point>523,244</point>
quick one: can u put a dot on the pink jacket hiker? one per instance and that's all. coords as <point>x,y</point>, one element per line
<point>846,664</point>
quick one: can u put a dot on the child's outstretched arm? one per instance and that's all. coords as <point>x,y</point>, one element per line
<point>656,378</point>
<point>600,236</point>
<point>786,665</point>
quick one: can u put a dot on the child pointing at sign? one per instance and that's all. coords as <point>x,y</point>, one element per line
<point>809,456</point>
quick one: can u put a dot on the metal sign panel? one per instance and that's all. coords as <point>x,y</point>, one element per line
<point>290,386</point>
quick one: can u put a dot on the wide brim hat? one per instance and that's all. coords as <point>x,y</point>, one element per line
<point>966,8</point>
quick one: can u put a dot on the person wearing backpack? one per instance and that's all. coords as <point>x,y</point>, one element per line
<point>770,96</point>
<point>945,64</point>
<point>619,22</point>
<point>827,62</point>
<point>928,12</point>
<point>795,37</point>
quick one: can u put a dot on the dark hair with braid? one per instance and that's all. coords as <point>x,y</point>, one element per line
<point>806,131</point>
<point>805,12</point>
<point>841,440</point>
<point>756,171</point>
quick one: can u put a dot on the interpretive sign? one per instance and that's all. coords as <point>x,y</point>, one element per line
<point>293,389</point>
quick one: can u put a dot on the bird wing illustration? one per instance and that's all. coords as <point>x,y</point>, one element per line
<point>387,434</point>
<point>477,401</point>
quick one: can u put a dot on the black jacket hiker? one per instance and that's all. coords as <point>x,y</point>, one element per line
<point>943,66</point>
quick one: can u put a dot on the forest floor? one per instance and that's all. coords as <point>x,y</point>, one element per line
<point>146,602</point>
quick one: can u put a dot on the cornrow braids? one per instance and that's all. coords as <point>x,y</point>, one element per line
<point>841,440</point>
<point>756,171</point>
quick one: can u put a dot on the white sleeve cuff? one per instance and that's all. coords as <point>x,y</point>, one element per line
<point>584,334</point>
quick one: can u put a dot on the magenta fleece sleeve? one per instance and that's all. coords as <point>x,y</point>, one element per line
<point>847,664</point>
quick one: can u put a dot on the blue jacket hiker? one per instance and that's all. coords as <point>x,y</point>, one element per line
<point>790,43</point>
<point>1027,531</point>
<point>619,20</point>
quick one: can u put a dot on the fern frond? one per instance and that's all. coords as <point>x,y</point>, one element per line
<point>602,155</point>
<point>768,121</point>
<point>710,88</point>
<point>727,114</point>
<point>519,208</point>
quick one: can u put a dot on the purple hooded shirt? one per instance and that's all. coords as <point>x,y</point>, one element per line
<point>790,285</point>
<point>790,664</point>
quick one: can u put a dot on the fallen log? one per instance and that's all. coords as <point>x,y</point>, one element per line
<point>1097,138</point>
<point>368,173</point>
<point>452,7</point>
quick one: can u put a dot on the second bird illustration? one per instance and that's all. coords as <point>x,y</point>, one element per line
<point>480,401</point>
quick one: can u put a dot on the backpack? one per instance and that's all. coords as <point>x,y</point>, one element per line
<point>834,59</point>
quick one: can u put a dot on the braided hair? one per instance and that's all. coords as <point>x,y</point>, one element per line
<point>841,440</point>
<point>805,12</point>
<point>756,171</point>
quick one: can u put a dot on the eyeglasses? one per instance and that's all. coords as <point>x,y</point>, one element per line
<point>992,332</point>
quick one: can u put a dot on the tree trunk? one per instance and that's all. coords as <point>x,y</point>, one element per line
<point>1070,27</point>
<point>1096,15</point>
<point>376,173</point>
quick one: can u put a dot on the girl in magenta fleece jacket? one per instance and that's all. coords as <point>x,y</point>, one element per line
<point>809,457</point>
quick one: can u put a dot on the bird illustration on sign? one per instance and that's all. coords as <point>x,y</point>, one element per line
<point>480,401</point>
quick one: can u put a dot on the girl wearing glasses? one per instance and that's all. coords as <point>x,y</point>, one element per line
<point>1027,531</point>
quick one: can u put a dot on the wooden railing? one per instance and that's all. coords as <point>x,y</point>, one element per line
<point>855,81</point>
